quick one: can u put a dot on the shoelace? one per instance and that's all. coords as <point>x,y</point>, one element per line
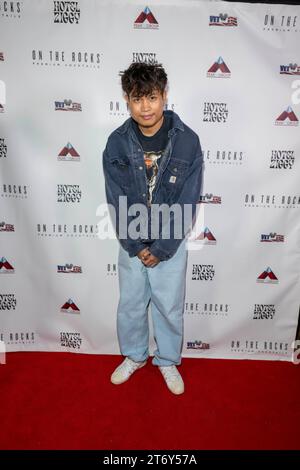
<point>171,373</point>
<point>130,366</point>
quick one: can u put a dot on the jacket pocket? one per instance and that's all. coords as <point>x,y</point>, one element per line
<point>121,169</point>
<point>174,177</point>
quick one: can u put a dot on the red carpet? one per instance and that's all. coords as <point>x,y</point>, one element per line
<point>66,401</point>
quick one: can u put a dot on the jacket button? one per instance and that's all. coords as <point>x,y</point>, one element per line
<point>144,195</point>
<point>140,167</point>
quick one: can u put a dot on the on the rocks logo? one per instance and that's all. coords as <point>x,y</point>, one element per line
<point>70,340</point>
<point>267,277</point>
<point>66,12</point>
<point>69,268</point>
<point>10,9</point>
<point>68,193</point>
<point>209,309</point>
<point>6,267</point>
<point>219,70</point>
<point>67,105</point>
<point>223,19</point>
<point>259,346</point>
<point>287,118</point>
<point>70,307</point>
<point>72,59</point>
<point>1,56</point>
<point>145,57</point>
<point>280,22</point>
<point>272,237</point>
<point>14,190</point>
<point>291,69</point>
<point>206,237</point>
<point>118,108</point>
<point>203,272</point>
<point>19,337</point>
<point>68,154</point>
<point>224,157</point>
<point>264,312</point>
<point>282,159</point>
<point>8,302</point>
<point>215,112</point>
<point>1,108</point>
<point>197,345</point>
<point>55,229</point>
<point>111,269</point>
<point>276,201</point>
<point>3,148</point>
<point>210,199</point>
<point>6,227</point>
<point>146,20</point>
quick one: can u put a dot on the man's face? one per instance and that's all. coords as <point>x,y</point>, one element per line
<point>147,111</point>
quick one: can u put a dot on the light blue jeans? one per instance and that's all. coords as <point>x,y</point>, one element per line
<point>163,286</point>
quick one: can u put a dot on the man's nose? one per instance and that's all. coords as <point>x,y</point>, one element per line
<point>145,104</point>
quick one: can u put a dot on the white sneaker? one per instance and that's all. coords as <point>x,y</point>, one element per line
<point>173,379</point>
<point>125,370</point>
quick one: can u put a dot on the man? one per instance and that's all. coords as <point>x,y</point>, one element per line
<point>153,160</point>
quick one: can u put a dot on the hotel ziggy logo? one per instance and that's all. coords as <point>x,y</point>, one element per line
<point>223,19</point>
<point>215,112</point>
<point>70,340</point>
<point>146,57</point>
<point>8,302</point>
<point>66,12</point>
<point>203,272</point>
<point>3,148</point>
<point>264,312</point>
<point>282,159</point>
<point>68,193</point>
<point>146,20</point>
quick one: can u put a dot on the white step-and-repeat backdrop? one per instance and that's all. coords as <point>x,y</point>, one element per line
<point>233,78</point>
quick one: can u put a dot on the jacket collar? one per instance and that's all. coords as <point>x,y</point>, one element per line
<point>177,123</point>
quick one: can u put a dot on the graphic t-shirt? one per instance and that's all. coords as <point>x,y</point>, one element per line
<point>153,148</point>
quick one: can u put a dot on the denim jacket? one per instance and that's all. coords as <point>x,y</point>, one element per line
<point>179,180</point>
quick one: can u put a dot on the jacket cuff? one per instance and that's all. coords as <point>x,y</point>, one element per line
<point>133,251</point>
<point>161,254</point>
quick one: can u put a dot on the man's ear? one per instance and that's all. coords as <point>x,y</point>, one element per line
<point>126,97</point>
<point>165,96</point>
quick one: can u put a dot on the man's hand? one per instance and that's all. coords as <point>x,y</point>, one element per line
<point>147,258</point>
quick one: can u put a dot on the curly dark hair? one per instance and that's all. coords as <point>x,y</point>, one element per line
<point>141,79</point>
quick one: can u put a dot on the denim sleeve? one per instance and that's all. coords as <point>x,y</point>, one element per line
<point>113,191</point>
<point>190,194</point>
